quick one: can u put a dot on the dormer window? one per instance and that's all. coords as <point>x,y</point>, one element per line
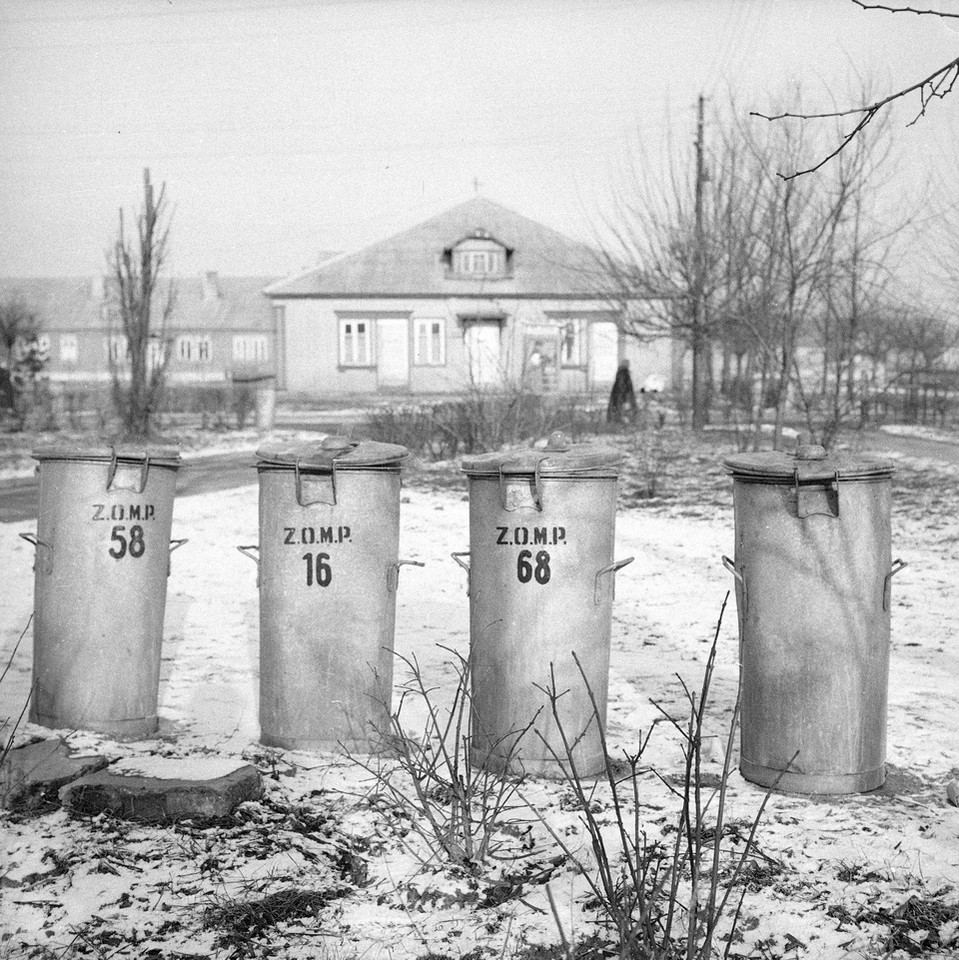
<point>478,255</point>
<point>478,261</point>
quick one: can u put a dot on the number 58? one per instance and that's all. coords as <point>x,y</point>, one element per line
<point>135,545</point>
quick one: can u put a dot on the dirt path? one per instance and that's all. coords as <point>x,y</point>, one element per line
<point>883,442</point>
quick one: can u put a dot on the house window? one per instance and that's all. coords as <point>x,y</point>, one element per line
<point>249,348</point>
<point>571,343</point>
<point>478,261</point>
<point>429,343</point>
<point>117,349</point>
<point>43,346</point>
<point>356,343</point>
<point>194,349</point>
<point>156,353</point>
<point>478,255</point>
<point>69,348</point>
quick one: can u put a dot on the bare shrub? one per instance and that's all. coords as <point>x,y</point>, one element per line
<point>482,420</point>
<point>466,814</point>
<point>657,898</point>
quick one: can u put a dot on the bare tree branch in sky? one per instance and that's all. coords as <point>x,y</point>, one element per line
<point>938,85</point>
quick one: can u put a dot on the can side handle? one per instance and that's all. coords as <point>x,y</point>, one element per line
<point>246,553</point>
<point>393,572</point>
<point>611,568</point>
<point>465,564</point>
<point>730,565</point>
<point>175,545</point>
<point>897,565</point>
<point>36,542</point>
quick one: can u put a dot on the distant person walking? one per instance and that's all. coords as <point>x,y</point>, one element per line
<point>622,398</point>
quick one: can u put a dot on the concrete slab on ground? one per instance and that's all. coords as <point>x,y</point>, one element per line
<point>32,775</point>
<point>157,789</point>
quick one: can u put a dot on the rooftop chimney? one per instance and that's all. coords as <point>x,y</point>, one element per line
<point>211,285</point>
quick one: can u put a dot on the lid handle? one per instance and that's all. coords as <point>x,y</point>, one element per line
<point>806,449</point>
<point>338,443</point>
<point>558,442</point>
<point>810,451</point>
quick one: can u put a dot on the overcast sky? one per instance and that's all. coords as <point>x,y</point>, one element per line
<point>282,129</point>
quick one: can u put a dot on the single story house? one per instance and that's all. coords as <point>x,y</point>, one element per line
<point>478,295</point>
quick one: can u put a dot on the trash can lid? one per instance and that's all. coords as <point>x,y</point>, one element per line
<point>559,458</point>
<point>162,456</point>
<point>812,462</point>
<point>320,455</point>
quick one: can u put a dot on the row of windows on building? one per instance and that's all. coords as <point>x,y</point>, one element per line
<point>356,342</point>
<point>247,348</point>
<point>356,345</point>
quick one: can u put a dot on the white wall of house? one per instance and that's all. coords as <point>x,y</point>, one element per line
<point>423,346</point>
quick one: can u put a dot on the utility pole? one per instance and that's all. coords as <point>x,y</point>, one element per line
<point>699,397</point>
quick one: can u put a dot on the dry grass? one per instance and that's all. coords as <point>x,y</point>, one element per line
<point>241,924</point>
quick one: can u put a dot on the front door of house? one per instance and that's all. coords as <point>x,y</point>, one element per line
<point>483,351</point>
<point>541,359</point>
<point>603,353</point>
<point>392,353</point>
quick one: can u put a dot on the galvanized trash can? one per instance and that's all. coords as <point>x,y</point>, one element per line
<point>100,578</point>
<point>328,574</point>
<point>541,576</point>
<point>813,577</point>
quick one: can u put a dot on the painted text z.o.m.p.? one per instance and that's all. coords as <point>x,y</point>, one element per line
<point>530,536</point>
<point>124,511</point>
<point>295,536</point>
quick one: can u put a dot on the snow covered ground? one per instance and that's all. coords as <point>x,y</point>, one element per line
<point>831,874</point>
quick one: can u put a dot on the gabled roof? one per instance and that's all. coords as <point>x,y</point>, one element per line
<point>544,262</point>
<point>75,303</point>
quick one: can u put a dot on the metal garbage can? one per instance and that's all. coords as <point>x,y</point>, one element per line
<point>541,577</point>
<point>100,578</point>
<point>328,574</point>
<point>813,577</point>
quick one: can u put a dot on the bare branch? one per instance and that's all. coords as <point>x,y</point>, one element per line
<point>938,85</point>
<point>922,12</point>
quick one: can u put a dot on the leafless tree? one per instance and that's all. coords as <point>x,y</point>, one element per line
<point>660,258</point>
<point>23,357</point>
<point>791,269</point>
<point>18,322</point>
<point>138,358</point>
<point>936,86</point>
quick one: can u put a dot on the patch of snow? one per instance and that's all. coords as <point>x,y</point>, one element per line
<point>176,768</point>
<point>923,433</point>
